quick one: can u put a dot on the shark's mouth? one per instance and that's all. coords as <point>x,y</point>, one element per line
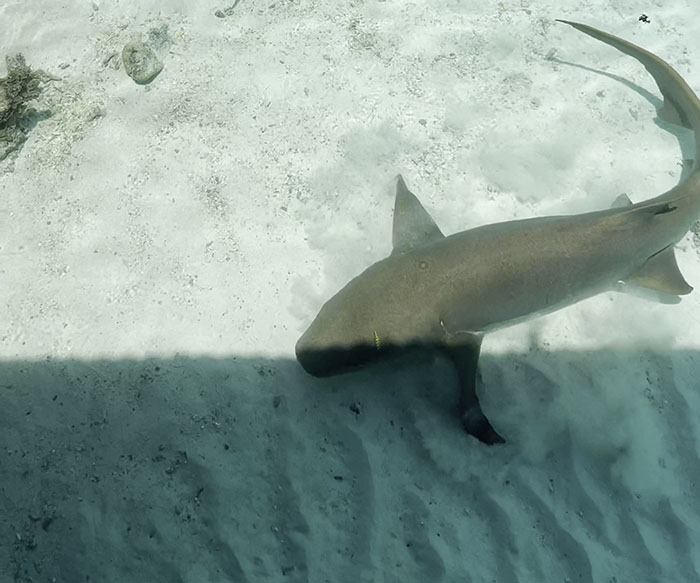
<point>323,362</point>
<point>333,360</point>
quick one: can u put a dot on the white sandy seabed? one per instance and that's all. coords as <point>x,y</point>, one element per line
<point>162,247</point>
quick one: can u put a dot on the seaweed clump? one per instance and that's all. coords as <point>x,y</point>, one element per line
<point>21,86</point>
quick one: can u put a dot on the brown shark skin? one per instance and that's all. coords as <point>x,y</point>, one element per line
<point>445,293</point>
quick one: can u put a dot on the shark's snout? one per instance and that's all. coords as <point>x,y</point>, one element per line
<point>312,361</point>
<point>312,355</point>
<point>322,360</point>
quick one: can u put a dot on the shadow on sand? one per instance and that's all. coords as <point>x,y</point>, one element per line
<point>240,469</point>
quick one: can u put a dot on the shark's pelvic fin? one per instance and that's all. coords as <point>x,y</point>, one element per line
<point>661,273</point>
<point>413,226</point>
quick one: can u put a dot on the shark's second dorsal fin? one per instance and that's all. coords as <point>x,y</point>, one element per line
<point>413,226</point>
<point>661,273</point>
<point>621,201</point>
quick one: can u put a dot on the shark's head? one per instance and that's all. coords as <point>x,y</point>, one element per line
<point>322,360</point>
<point>369,317</point>
<point>340,338</point>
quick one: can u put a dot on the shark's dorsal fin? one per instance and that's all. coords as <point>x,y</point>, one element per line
<point>413,226</point>
<point>661,273</point>
<point>621,201</point>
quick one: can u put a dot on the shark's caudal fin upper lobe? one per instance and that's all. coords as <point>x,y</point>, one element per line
<point>681,104</point>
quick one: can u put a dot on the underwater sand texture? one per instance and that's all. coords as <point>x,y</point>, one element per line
<point>162,247</point>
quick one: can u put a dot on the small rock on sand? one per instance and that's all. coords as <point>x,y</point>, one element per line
<point>140,62</point>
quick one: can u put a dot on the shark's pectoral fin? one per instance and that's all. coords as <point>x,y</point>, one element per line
<point>463,349</point>
<point>413,226</point>
<point>661,273</point>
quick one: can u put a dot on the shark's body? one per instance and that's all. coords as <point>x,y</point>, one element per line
<point>446,292</point>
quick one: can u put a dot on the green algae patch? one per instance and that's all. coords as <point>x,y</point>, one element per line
<point>21,86</point>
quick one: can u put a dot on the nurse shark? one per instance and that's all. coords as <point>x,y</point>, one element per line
<point>444,292</point>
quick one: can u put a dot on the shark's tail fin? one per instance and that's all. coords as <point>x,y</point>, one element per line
<point>681,105</point>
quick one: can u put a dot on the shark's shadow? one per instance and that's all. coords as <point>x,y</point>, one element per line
<point>167,469</point>
<point>684,136</point>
